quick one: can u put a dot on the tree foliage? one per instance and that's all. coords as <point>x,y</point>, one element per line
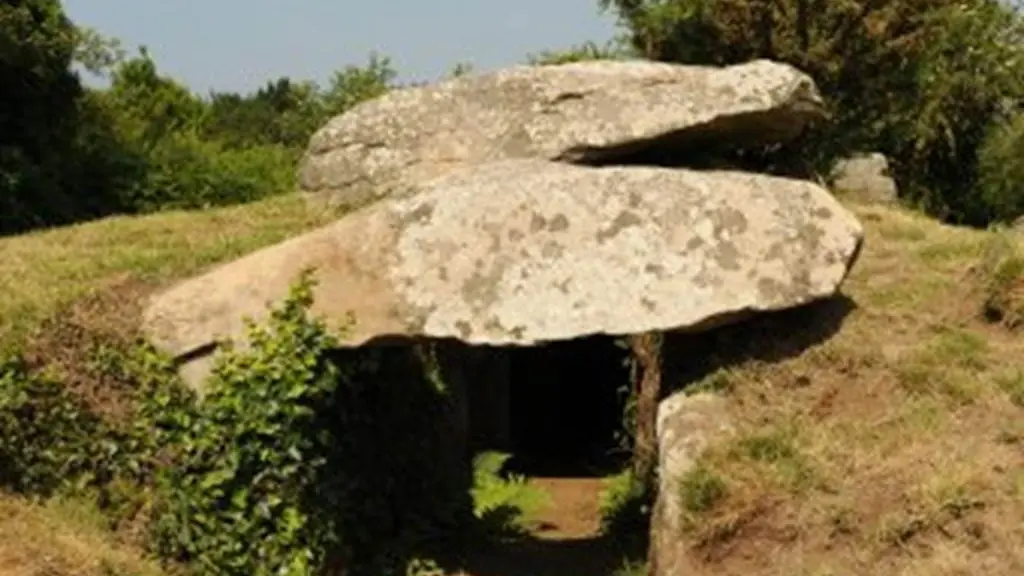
<point>145,142</point>
<point>38,110</point>
<point>919,80</point>
<point>1001,167</point>
<point>923,81</point>
<point>299,459</point>
<point>613,50</point>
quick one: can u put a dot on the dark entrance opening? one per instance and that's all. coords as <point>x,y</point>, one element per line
<point>566,407</point>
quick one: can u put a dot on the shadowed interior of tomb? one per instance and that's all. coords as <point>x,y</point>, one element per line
<point>746,142</point>
<point>566,407</point>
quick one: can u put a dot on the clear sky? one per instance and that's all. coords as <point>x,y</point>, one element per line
<point>240,44</point>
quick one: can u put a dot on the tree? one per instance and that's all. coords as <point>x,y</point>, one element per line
<point>281,112</point>
<point>919,80</point>
<point>155,105</point>
<point>616,49</point>
<point>38,94</point>
<point>354,84</point>
<point>97,53</point>
<point>69,153</point>
<point>1002,168</point>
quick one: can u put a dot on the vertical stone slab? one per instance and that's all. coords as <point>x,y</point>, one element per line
<point>686,427</point>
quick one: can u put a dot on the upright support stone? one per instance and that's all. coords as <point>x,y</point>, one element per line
<point>687,425</point>
<point>647,348</point>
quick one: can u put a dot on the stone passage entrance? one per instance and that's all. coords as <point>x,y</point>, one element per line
<point>566,407</point>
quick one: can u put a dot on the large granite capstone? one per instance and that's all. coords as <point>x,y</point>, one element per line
<point>584,112</point>
<point>520,252</point>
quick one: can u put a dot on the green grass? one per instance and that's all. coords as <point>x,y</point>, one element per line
<point>892,447</point>
<point>1012,383</point>
<point>701,489</point>
<point>41,271</point>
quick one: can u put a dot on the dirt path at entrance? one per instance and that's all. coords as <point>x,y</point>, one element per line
<point>567,543</point>
<point>574,512</point>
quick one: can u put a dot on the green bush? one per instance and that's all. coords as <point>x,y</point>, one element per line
<point>183,171</point>
<point>1002,276</point>
<point>302,457</point>
<point>1001,170</point>
<point>237,500</point>
<point>50,438</point>
<point>55,443</point>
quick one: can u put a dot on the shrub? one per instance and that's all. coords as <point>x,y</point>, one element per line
<point>1002,276</point>
<point>236,503</point>
<point>50,439</point>
<point>58,442</point>
<point>302,457</point>
<point>184,171</point>
<point>1001,170</point>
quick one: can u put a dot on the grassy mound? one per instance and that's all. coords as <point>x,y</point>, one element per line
<point>895,445</point>
<point>44,271</point>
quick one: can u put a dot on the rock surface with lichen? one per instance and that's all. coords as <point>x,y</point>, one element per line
<point>687,426</point>
<point>583,112</point>
<point>519,252</point>
<point>865,178</point>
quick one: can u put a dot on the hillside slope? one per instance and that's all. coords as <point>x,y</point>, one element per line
<point>882,433</point>
<point>41,271</point>
<point>893,446</point>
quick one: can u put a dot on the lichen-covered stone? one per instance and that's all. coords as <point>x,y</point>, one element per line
<point>687,427</point>
<point>584,111</point>
<point>865,178</point>
<point>526,251</point>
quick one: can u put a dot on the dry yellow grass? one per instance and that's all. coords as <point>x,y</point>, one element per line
<point>43,270</point>
<point>895,446</point>
<point>62,539</point>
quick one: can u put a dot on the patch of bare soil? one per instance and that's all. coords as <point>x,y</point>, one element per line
<point>567,541</point>
<point>575,513</point>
